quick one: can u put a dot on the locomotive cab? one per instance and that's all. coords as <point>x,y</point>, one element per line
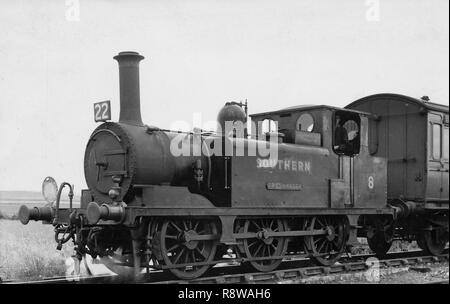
<point>335,142</point>
<point>322,126</point>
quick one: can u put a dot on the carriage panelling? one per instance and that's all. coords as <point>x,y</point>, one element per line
<point>403,136</point>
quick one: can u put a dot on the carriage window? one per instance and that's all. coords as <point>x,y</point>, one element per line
<point>305,122</point>
<point>445,144</point>
<point>436,141</point>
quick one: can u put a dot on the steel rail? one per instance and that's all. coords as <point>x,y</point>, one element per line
<point>306,272</point>
<point>289,269</point>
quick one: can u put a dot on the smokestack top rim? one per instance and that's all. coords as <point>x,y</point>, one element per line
<point>128,53</point>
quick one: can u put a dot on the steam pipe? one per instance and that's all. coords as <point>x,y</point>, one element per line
<point>58,199</point>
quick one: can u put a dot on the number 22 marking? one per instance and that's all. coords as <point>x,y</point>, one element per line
<point>99,114</point>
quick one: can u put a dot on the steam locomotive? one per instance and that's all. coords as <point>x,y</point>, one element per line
<point>308,181</point>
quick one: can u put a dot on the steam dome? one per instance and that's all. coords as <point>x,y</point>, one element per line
<point>231,112</point>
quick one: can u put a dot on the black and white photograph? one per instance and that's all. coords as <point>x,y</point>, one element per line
<point>242,146</point>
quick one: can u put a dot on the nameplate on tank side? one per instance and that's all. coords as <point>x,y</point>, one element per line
<point>286,187</point>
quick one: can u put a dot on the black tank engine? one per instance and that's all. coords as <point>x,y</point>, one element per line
<point>307,181</point>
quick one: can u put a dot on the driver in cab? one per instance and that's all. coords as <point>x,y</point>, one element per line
<point>340,136</point>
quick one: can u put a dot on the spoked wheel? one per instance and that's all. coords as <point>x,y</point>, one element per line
<point>433,241</point>
<point>380,235</point>
<point>326,248</point>
<point>264,245</point>
<point>188,241</point>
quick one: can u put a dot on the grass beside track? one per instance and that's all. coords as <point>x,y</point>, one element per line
<point>29,252</point>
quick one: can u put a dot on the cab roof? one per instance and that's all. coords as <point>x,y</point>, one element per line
<point>306,108</point>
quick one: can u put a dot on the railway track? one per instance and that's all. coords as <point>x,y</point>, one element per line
<point>288,275</point>
<point>288,271</point>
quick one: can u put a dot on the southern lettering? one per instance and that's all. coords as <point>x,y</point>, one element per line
<point>284,164</point>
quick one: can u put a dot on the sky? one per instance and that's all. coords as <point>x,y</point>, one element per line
<point>56,61</point>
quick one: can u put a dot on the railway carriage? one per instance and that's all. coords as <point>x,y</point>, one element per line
<point>306,182</point>
<point>412,135</point>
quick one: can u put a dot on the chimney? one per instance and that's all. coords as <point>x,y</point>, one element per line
<point>130,101</point>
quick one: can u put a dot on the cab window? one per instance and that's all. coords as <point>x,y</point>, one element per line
<point>305,123</point>
<point>268,125</point>
<point>346,133</point>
